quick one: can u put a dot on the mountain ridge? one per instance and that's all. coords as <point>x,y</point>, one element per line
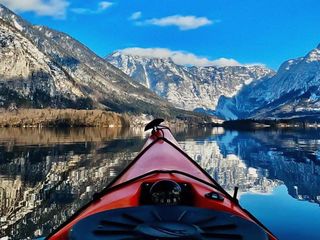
<point>187,87</point>
<point>41,67</point>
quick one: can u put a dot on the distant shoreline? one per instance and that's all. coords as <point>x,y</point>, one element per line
<point>254,124</point>
<point>68,118</point>
<point>29,118</point>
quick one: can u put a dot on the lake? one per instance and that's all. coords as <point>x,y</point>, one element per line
<point>47,174</point>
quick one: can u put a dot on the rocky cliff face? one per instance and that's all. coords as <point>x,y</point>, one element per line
<point>40,67</point>
<point>292,92</point>
<point>190,88</point>
<point>28,76</point>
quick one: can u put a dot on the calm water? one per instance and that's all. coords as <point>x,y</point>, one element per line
<point>45,175</point>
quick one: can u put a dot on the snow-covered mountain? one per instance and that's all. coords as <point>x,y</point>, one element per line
<point>293,92</point>
<point>190,88</point>
<point>40,67</point>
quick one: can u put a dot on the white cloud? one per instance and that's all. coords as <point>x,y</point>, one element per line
<point>101,7</point>
<point>53,8</point>
<point>135,16</point>
<point>182,22</point>
<point>104,5</point>
<point>179,57</point>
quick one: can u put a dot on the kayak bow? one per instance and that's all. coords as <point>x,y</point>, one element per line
<point>162,194</point>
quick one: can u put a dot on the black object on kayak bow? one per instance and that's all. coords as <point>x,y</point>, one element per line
<point>153,124</point>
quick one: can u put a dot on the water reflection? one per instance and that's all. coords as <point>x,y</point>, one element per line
<point>290,157</point>
<point>229,170</point>
<point>45,175</point>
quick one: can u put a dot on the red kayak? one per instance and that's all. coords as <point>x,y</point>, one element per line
<point>163,194</point>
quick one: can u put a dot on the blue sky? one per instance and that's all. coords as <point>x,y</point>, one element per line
<point>202,31</point>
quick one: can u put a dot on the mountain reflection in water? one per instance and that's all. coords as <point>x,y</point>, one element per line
<point>46,175</point>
